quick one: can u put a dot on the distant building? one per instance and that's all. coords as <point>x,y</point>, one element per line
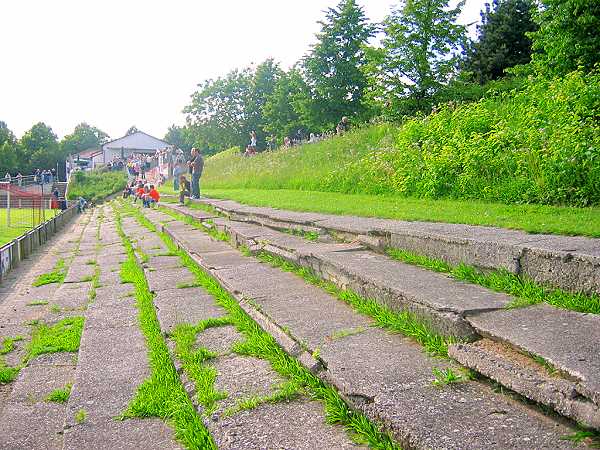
<point>138,142</point>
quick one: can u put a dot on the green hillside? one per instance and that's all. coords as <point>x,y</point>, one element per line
<point>540,144</point>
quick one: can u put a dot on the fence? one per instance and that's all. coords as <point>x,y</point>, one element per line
<point>14,252</point>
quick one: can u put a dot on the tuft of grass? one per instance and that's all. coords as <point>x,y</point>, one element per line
<point>59,395</point>
<point>444,377</point>
<point>63,336</point>
<point>285,392</point>
<point>55,309</point>
<point>400,322</point>
<point>526,291</point>
<point>345,333</point>
<point>8,344</point>
<point>309,235</point>
<point>193,361</point>
<point>260,344</point>
<point>8,374</point>
<point>38,303</point>
<point>80,416</point>
<point>589,437</point>
<point>55,276</point>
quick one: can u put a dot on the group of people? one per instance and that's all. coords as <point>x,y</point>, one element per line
<point>46,176</point>
<point>297,138</point>
<point>194,167</point>
<point>146,193</point>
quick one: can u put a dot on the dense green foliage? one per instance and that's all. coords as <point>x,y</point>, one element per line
<point>503,40</point>
<point>39,147</point>
<point>418,56</point>
<point>568,36</point>
<point>333,67</point>
<point>540,144</point>
<point>97,185</point>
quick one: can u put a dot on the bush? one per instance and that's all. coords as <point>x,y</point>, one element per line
<point>95,186</point>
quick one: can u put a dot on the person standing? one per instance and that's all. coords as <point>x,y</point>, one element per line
<point>196,165</point>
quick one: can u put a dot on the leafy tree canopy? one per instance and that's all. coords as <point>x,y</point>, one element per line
<point>568,36</point>
<point>503,39</point>
<point>84,136</point>
<point>333,67</point>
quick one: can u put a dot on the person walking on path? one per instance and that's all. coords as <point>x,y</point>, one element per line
<point>196,165</point>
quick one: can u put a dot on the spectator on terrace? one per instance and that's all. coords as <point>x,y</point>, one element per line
<point>184,189</point>
<point>19,179</point>
<point>253,140</point>
<point>343,126</point>
<point>54,201</point>
<point>250,151</point>
<point>139,192</point>
<point>287,142</point>
<point>37,176</point>
<point>178,170</point>
<point>196,165</point>
<point>7,177</point>
<point>81,204</point>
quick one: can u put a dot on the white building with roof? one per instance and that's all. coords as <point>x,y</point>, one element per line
<point>135,143</point>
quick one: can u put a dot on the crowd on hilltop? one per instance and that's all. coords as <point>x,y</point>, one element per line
<point>46,176</point>
<point>298,138</point>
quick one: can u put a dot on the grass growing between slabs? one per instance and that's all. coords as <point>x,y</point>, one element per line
<point>57,275</point>
<point>162,394</point>
<point>398,322</point>
<point>526,291</point>
<point>261,345</point>
<point>63,336</point>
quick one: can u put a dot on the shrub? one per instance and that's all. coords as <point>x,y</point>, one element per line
<point>95,186</point>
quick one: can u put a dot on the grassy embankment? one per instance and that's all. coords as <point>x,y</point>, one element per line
<point>529,160</point>
<point>97,185</point>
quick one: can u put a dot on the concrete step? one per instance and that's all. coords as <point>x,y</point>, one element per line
<point>568,262</point>
<point>386,376</point>
<point>533,380</point>
<point>566,339</point>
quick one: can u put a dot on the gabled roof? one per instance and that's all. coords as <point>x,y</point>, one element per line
<point>138,141</point>
<point>89,152</point>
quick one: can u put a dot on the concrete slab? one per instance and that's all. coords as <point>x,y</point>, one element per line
<point>222,260</point>
<point>150,434</point>
<point>105,380</point>
<point>568,340</point>
<point>219,339</point>
<point>161,280</point>
<point>164,262</point>
<point>17,420</point>
<point>80,271</point>
<point>299,425</point>
<point>243,377</point>
<point>176,306</point>
<point>390,379</point>
<point>523,375</point>
<point>36,382</point>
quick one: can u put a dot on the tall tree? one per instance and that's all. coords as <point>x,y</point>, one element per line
<point>419,53</point>
<point>333,67</point>
<point>132,130</point>
<point>568,37</point>
<point>40,147</point>
<point>503,40</point>
<point>10,156</point>
<point>84,137</point>
<point>284,109</point>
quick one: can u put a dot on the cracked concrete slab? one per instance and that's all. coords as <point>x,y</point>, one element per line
<point>177,306</point>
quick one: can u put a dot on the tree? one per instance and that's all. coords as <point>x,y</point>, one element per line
<point>333,67</point>
<point>419,54</point>
<point>83,137</point>
<point>132,130</point>
<point>568,36</point>
<point>503,40</point>
<point>283,110</point>
<point>225,110</point>
<point>40,147</point>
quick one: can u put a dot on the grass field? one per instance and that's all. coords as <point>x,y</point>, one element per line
<point>21,222</point>
<point>531,218</point>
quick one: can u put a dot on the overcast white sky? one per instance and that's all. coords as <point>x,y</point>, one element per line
<point>118,63</point>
